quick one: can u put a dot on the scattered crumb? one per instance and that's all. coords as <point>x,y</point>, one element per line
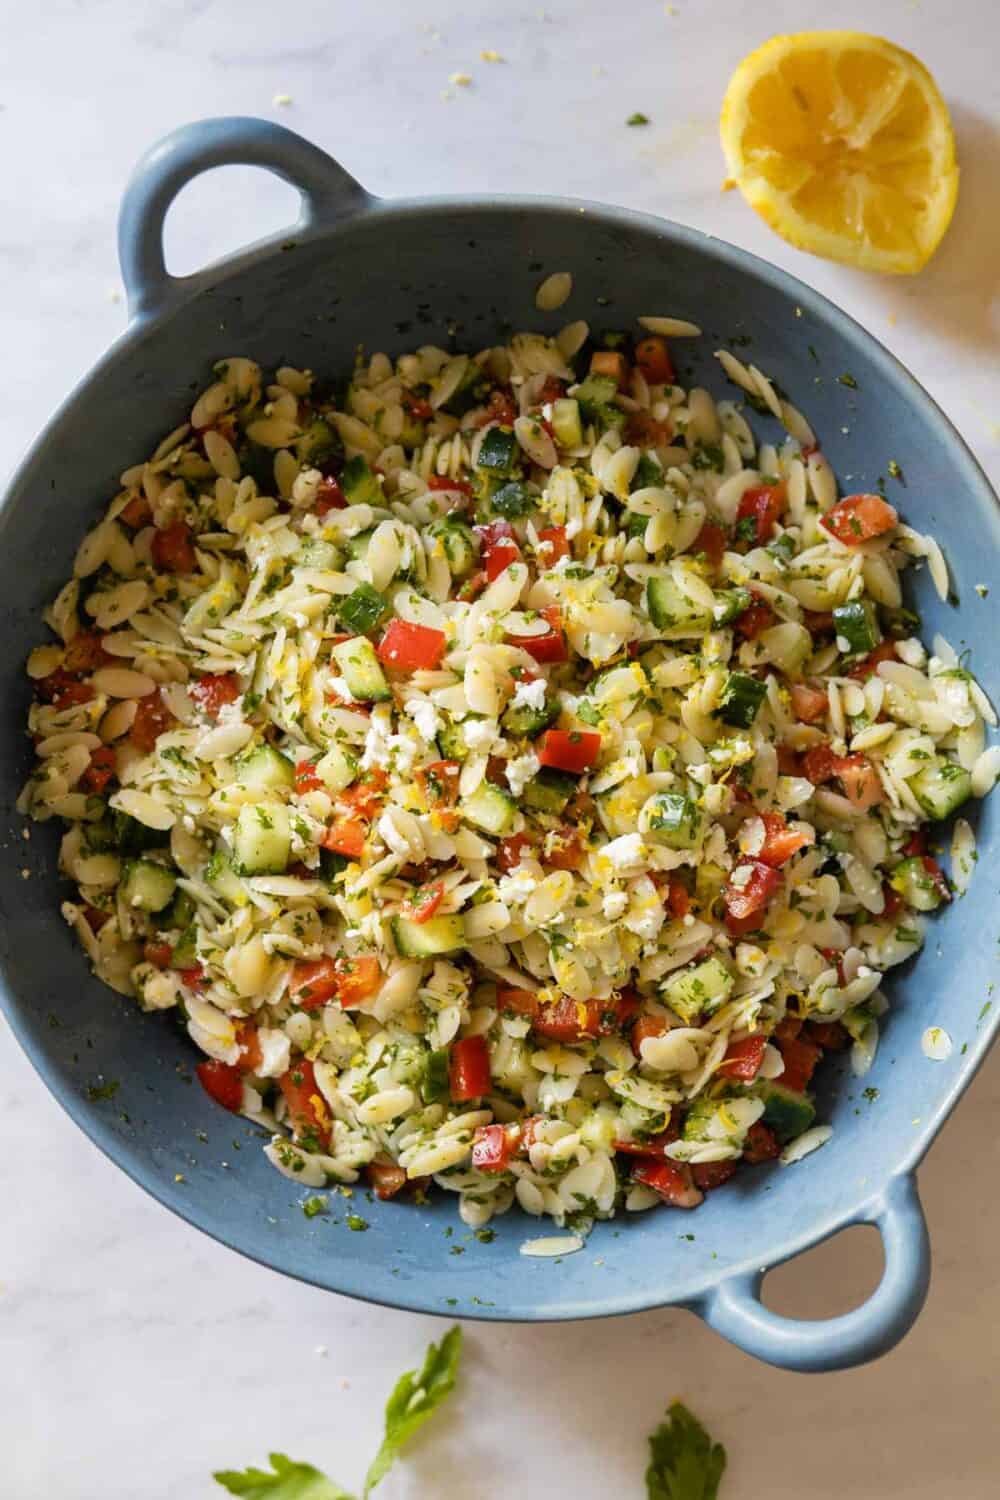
<point>729,184</point>
<point>599,72</point>
<point>179,1177</point>
<point>282,100</point>
<point>114,295</point>
<point>488,55</point>
<point>638,118</point>
<point>462,80</point>
<point>893,320</point>
<point>982,590</point>
<point>447,94</point>
<point>25,874</point>
<point>345,1384</point>
<point>671,10</point>
<point>936,1044</point>
<point>321,1351</point>
<point>26,833</point>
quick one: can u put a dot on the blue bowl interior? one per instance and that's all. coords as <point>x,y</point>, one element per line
<point>393,279</point>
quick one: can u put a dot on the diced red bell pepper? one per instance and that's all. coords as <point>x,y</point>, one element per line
<point>653,358</point>
<point>647,1026</point>
<point>100,771</point>
<point>513,849</point>
<point>745,905</point>
<point>861,782</point>
<point>915,845</point>
<point>364,799</point>
<point>780,841</point>
<point>642,430</point>
<point>137,513</point>
<point>829,1035</point>
<point>894,902</point>
<point>306,779</point>
<point>158,954</point>
<point>653,1147</point>
<point>859,518</point>
<point>761,1144</point>
<point>743,1058</point>
<point>152,718</point>
<point>469,1069</point>
<point>678,899</point>
<point>800,1063</point>
<point>214,690</point>
<point>930,864</point>
<point>248,1037</point>
<point>757,617</point>
<point>386,1177</point>
<point>493,1146</point>
<point>550,647</point>
<point>818,621</point>
<point>764,504</point>
<point>712,1174</point>
<point>553,389</point>
<point>308,1111</point>
<point>329,496</point>
<point>357,978</point>
<point>313,983</point>
<point>498,548</point>
<point>671,1180</point>
<point>503,408</point>
<point>571,750</point>
<point>563,849</point>
<point>85,653</point>
<point>868,665</point>
<point>553,544</point>
<point>612,363</point>
<point>419,407</point>
<point>172,548</point>
<point>346,836</point>
<point>445,482</point>
<point>223,1082</point>
<point>808,703</point>
<point>63,690</point>
<point>567,1020</point>
<point>95,917</point>
<point>424,902</point>
<point>411,648</point>
<point>194,978</point>
<point>712,541</point>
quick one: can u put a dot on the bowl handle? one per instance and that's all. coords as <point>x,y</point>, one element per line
<point>735,1309</point>
<point>328,192</point>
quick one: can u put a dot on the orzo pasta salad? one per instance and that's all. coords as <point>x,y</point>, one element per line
<point>512,774</point>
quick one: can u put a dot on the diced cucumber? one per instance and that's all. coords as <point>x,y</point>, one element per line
<point>675,616</point>
<point>647,473</point>
<point>319,446</point>
<point>223,878</point>
<point>731,604</point>
<point>741,700</point>
<point>265,769</point>
<point>358,544</point>
<point>99,837</point>
<point>262,840</point>
<point>498,451</point>
<point>332,865</point>
<point>360,485</point>
<point>607,416</point>
<point>941,788</point>
<point>566,423</point>
<point>709,881</point>
<point>180,913</point>
<point>550,790</point>
<point>529,722</point>
<point>916,885</point>
<point>147,886</point>
<point>434,1080</point>
<point>361,611</point>
<point>490,808</point>
<point>698,991</point>
<point>595,391</point>
<point>315,553</point>
<point>787,1112</point>
<point>674,818</point>
<point>211,606</point>
<point>336,769</point>
<point>132,837</point>
<point>185,954</point>
<point>857,623</point>
<point>459,543</point>
<point>426,939</point>
<point>361,670</point>
<point>513,499</point>
<point>451,740</point>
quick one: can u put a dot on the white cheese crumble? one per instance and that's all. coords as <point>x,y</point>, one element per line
<point>530,694</point>
<point>479,734</point>
<point>614,905</point>
<point>627,853</point>
<point>425,717</point>
<point>520,770</point>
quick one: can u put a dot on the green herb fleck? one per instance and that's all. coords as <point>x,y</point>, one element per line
<point>638,118</point>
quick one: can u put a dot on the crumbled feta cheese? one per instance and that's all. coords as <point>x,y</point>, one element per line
<point>479,734</point>
<point>425,717</point>
<point>627,853</point>
<point>911,652</point>
<point>614,905</point>
<point>276,1052</point>
<point>305,487</point>
<point>741,876</point>
<point>517,886</point>
<point>339,686</point>
<point>520,770</point>
<point>530,694</point>
<point>751,837</point>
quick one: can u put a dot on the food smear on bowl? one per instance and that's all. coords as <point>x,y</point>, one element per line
<point>515,775</point>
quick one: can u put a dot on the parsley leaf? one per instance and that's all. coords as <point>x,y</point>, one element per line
<point>287,1481</point>
<point>684,1463</point>
<point>637,119</point>
<point>414,1398</point>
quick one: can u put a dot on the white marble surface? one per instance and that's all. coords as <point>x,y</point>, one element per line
<point>136,1355</point>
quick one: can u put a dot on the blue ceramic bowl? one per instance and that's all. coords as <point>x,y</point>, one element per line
<point>389,275</point>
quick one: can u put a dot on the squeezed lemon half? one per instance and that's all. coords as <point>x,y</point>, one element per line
<point>843,144</point>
